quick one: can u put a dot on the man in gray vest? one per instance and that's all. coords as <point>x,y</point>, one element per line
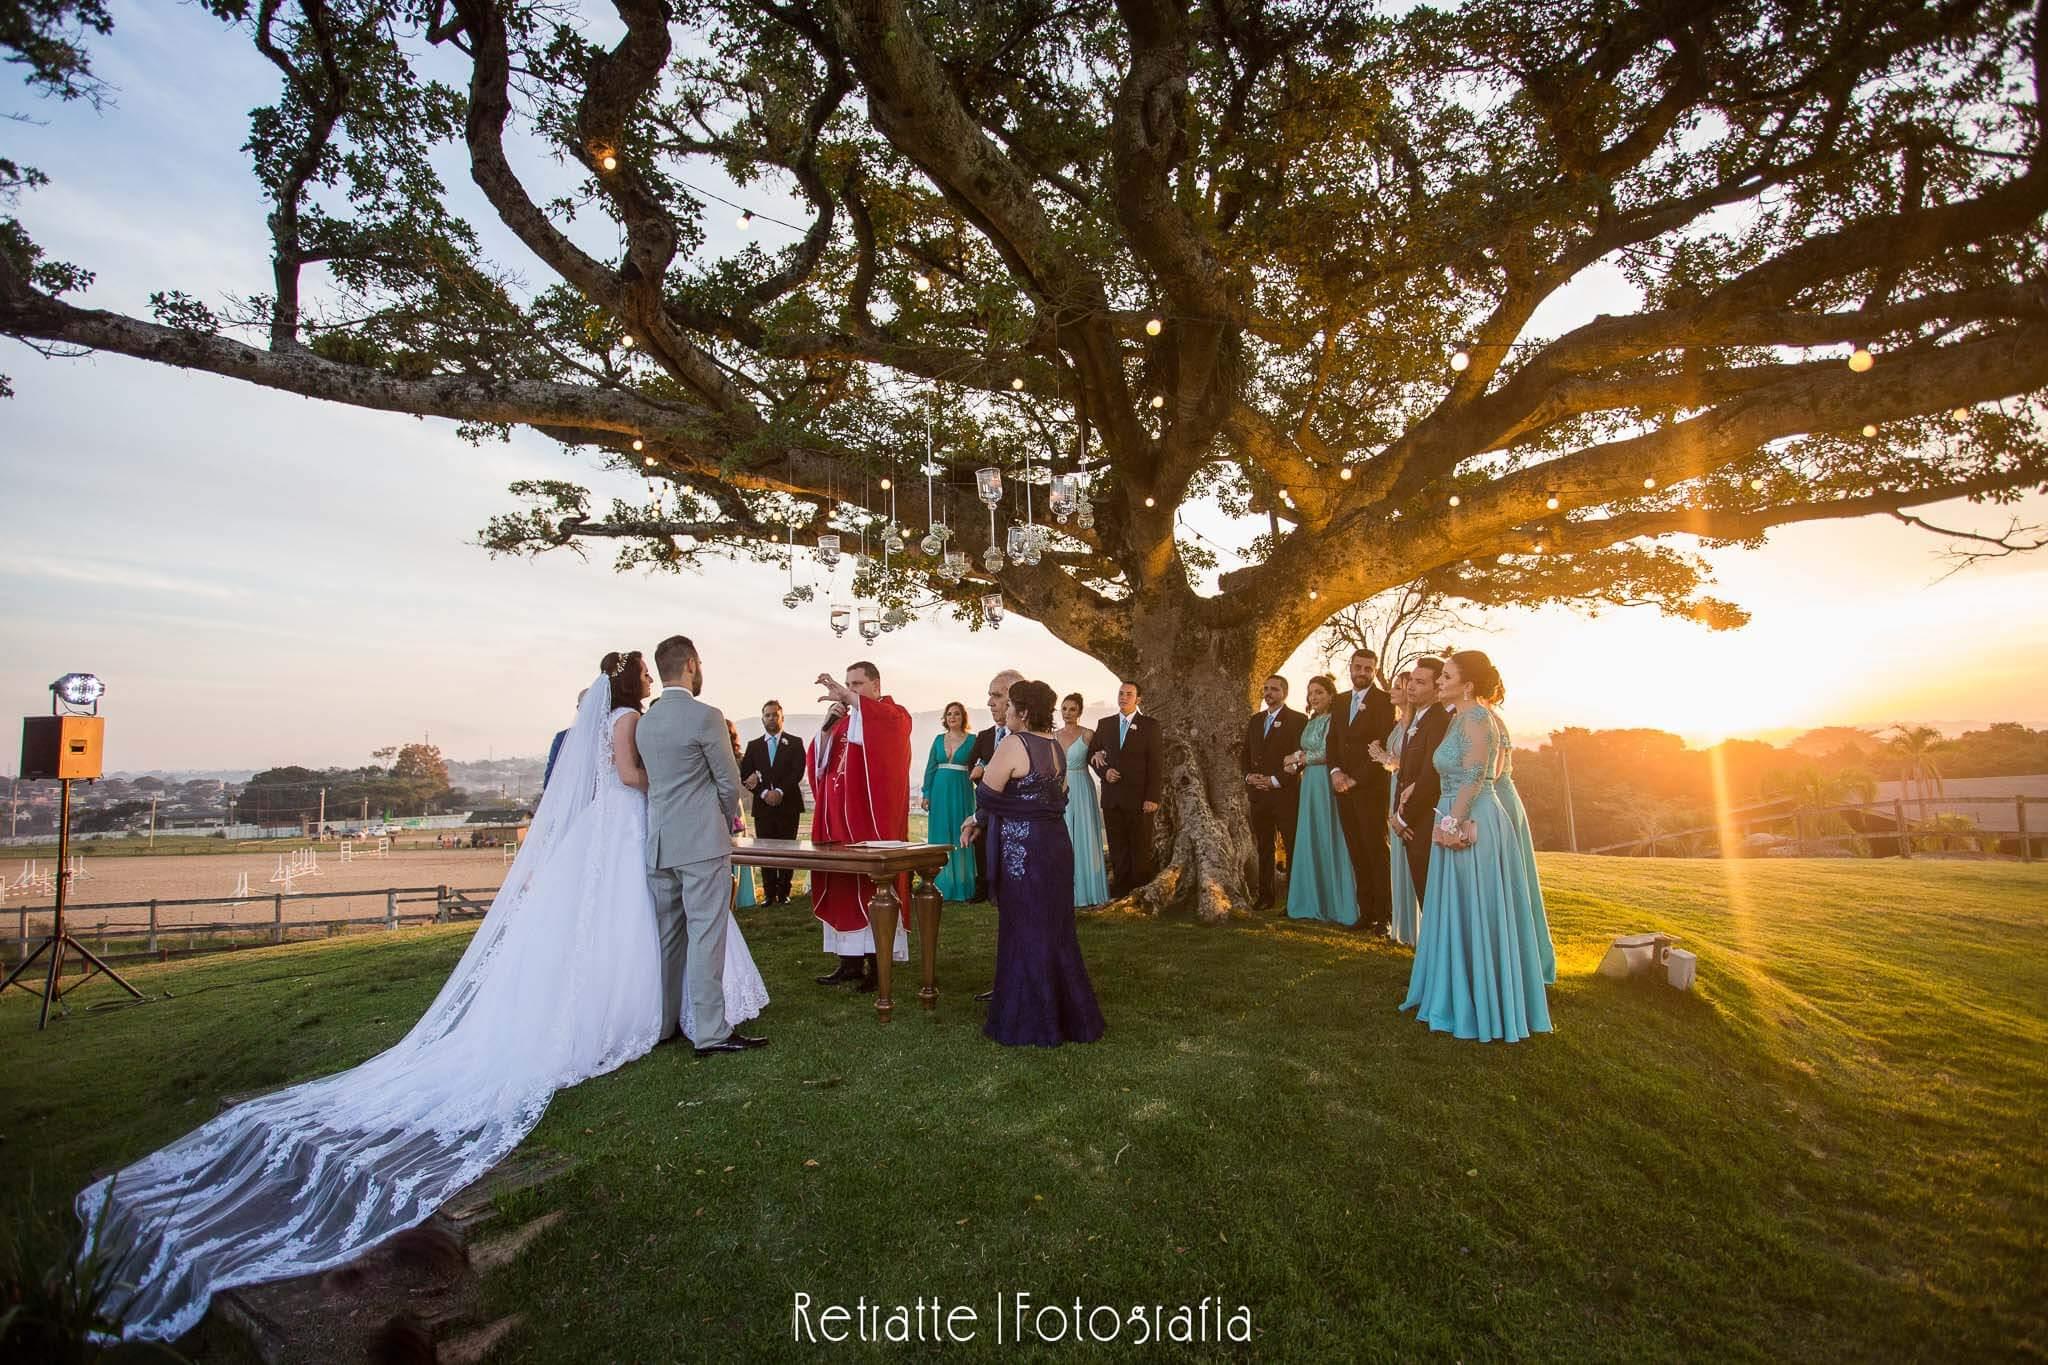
<point>693,797</point>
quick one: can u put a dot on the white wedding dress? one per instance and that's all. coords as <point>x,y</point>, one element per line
<point>561,982</point>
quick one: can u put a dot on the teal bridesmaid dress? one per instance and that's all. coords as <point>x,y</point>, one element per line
<point>1084,828</point>
<point>952,800</point>
<point>1319,884</point>
<point>1518,818</point>
<point>1478,969</point>
<point>1407,906</point>
<point>745,898</point>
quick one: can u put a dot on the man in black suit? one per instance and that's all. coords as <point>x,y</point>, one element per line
<point>773,770</point>
<point>1274,793</point>
<point>1125,754</point>
<point>1417,786</point>
<point>985,742</point>
<point>1358,718</point>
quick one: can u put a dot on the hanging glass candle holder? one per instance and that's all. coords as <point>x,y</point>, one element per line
<point>892,539</point>
<point>988,485</point>
<point>932,542</point>
<point>992,559</point>
<point>992,607</point>
<point>1084,515</point>
<point>1064,495</point>
<point>870,624</point>
<point>842,616</point>
<point>895,618</point>
<point>1018,542</point>
<point>791,600</point>
<point>828,549</point>
<point>956,566</point>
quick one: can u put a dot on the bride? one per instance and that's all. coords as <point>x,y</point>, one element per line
<point>561,982</point>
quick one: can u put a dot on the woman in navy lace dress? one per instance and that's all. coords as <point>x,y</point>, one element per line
<point>1042,996</point>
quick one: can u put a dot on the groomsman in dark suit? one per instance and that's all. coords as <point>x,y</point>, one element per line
<point>1417,786</point>
<point>984,749</point>
<point>773,770</point>
<point>1270,736</point>
<point>1125,754</point>
<point>1358,718</point>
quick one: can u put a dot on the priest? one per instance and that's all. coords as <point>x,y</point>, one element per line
<point>860,790</point>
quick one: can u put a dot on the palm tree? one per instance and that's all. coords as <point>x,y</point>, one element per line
<point>1812,792</point>
<point>1915,747</point>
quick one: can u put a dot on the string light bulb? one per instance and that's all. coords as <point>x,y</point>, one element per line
<point>1960,413</point>
<point>627,341</point>
<point>1460,361</point>
<point>1870,429</point>
<point>1158,401</point>
<point>1537,547</point>
<point>639,444</point>
<point>1649,482</point>
<point>746,218</point>
<point>1018,383</point>
<point>1456,500</point>
<point>648,461</point>
<point>610,162</point>
<point>1151,502</point>
<point>1345,473</point>
<point>1551,502</point>
<point>1860,359</point>
<point>922,281</point>
<point>1313,594</point>
<point>885,485</point>
<point>1756,485</point>
<point>1153,327</point>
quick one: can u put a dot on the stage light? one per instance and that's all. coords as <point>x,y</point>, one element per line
<point>79,689</point>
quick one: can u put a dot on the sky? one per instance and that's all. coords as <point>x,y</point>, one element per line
<point>264,579</point>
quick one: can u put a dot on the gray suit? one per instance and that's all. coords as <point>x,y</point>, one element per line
<point>693,796</point>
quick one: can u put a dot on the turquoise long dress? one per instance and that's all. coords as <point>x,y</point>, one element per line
<point>1407,920</point>
<point>1518,817</point>
<point>1319,883</point>
<point>1478,966</point>
<point>1084,828</point>
<point>951,798</point>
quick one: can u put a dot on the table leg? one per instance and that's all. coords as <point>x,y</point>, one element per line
<point>925,903</point>
<point>884,909</point>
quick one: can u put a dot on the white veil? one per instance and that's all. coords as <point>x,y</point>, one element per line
<point>305,1179</point>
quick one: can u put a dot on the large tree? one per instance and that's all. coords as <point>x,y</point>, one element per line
<point>1285,260</point>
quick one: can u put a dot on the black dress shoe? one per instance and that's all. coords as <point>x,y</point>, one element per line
<point>985,996</point>
<point>845,971</point>
<point>731,1044</point>
<point>746,1040</point>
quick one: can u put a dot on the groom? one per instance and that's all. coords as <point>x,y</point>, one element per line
<point>693,797</point>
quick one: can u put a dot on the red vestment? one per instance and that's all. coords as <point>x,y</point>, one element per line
<point>860,791</point>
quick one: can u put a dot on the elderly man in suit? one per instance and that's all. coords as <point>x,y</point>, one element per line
<point>1125,754</point>
<point>693,797</point>
<point>773,770</point>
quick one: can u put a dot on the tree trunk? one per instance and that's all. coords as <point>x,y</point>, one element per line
<point>1198,685</point>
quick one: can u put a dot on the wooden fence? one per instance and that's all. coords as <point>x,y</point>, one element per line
<point>1878,829</point>
<point>148,938</point>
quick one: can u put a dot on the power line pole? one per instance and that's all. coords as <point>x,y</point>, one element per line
<point>152,820</point>
<point>1571,824</point>
<point>321,831</point>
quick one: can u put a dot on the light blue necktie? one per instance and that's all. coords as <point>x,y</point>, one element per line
<point>1271,716</point>
<point>1123,733</point>
<point>1357,700</point>
<point>771,751</point>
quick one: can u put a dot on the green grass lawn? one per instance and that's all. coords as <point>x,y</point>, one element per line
<point>1832,1149</point>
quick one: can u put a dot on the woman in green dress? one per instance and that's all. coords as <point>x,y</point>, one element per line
<point>743,894</point>
<point>949,800</point>
<point>1319,884</point>
<point>1407,905</point>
